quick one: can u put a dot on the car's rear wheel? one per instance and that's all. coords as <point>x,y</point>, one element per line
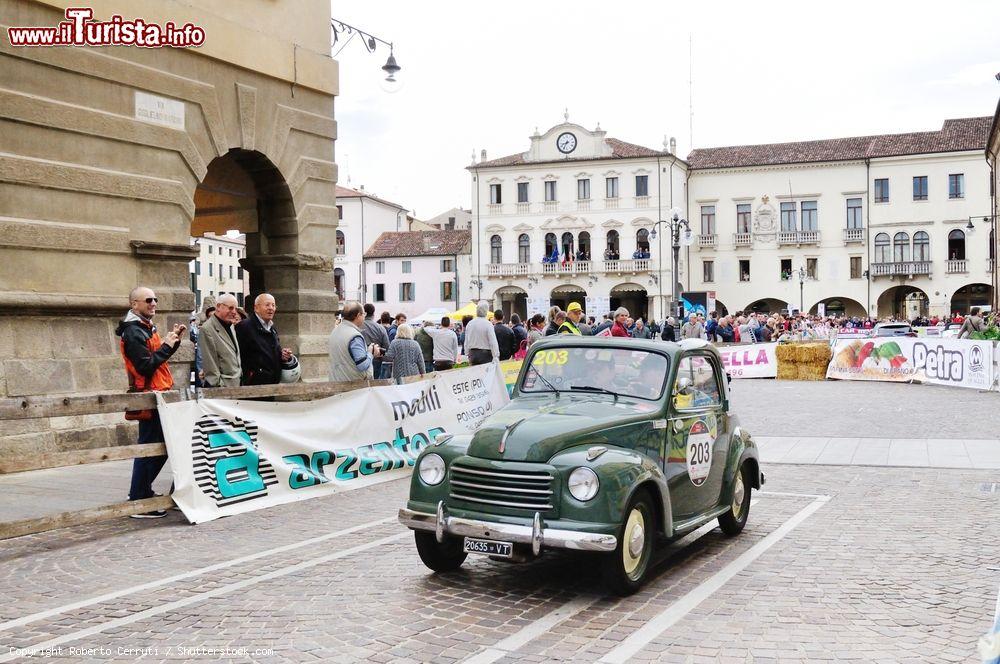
<point>444,556</point>
<point>625,569</point>
<point>733,521</point>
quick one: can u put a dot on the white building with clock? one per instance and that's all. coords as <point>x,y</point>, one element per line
<point>571,219</point>
<point>889,225</point>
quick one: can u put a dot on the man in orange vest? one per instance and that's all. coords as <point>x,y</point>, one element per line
<point>146,356</point>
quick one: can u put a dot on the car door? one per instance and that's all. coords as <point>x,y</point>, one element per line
<point>697,426</point>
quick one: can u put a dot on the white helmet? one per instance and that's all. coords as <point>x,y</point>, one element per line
<point>291,371</point>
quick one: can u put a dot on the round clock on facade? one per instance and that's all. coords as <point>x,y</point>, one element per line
<point>566,142</point>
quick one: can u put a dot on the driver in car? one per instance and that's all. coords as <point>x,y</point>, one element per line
<point>649,382</point>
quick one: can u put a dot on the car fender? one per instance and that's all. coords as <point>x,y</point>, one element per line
<point>742,449</point>
<point>621,472</point>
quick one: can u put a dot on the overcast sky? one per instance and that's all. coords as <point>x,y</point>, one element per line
<point>479,76</point>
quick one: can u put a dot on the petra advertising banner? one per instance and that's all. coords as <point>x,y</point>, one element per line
<point>230,457</point>
<point>750,360</point>
<point>955,362</point>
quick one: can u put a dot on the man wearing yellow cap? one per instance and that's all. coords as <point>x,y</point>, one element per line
<point>574,312</point>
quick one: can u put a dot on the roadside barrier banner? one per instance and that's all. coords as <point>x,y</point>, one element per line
<point>940,361</point>
<point>230,457</point>
<point>750,360</point>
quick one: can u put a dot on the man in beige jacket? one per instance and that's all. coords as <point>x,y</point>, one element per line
<point>220,352</point>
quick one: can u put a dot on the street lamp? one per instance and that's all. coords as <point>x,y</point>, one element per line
<point>477,284</point>
<point>802,283</point>
<point>370,42</point>
<point>675,223</point>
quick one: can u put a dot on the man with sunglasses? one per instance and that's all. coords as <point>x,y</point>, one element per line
<point>146,356</point>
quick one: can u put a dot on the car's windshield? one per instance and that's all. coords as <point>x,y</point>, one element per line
<point>622,371</point>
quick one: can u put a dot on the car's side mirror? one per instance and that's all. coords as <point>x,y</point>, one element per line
<point>729,377</point>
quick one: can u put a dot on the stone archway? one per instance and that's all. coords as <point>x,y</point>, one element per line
<point>971,295</point>
<point>840,306</point>
<point>244,191</point>
<point>512,300</point>
<point>768,305</point>
<point>903,302</point>
<point>633,297</point>
<point>564,294</point>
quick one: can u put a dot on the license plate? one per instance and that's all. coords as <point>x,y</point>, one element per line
<point>489,547</point>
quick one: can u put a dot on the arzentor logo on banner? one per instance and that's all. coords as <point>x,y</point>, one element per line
<point>227,466</point>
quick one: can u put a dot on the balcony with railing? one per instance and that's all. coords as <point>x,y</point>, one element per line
<point>632,265</point>
<point>494,208</point>
<point>508,269</point>
<point>583,204</point>
<point>901,269</point>
<point>550,206</point>
<point>743,239</point>
<point>798,237</point>
<point>523,208</point>
<point>611,203</point>
<point>854,235</point>
<point>709,240</point>
<point>569,267</point>
<point>642,201</point>
<point>956,266</point>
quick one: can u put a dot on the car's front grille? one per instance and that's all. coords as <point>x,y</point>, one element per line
<point>517,489</point>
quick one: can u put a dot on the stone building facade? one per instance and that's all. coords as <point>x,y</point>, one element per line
<point>112,158</point>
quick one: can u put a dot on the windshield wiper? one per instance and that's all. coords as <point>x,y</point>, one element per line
<point>592,388</point>
<point>538,374</point>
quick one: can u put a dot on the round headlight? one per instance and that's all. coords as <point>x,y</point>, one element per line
<point>583,483</point>
<point>432,469</point>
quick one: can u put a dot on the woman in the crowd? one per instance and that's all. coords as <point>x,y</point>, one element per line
<point>536,328</point>
<point>405,354</point>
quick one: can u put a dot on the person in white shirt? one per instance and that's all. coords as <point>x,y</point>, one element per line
<point>481,339</point>
<point>445,345</point>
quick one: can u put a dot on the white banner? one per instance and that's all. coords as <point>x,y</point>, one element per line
<point>955,362</point>
<point>230,457</point>
<point>750,360</point>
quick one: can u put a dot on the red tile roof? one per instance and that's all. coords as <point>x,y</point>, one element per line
<point>420,243</point>
<point>954,136</point>
<point>619,150</point>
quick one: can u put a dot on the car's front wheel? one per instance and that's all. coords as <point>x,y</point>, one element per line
<point>733,521</point>
<point>444,556</point>
<point>625,570</point>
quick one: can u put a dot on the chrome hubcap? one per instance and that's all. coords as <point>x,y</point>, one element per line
<point>739,491</point>
<point>635,537</point>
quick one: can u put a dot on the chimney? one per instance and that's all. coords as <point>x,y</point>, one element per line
<point>482,155</point>
<point>673,145</point>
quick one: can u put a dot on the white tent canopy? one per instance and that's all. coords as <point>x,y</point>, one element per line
<point>434,314</point>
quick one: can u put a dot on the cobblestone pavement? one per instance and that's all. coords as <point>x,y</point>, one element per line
<point>895,567</point>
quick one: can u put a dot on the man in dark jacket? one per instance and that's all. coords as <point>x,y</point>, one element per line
<point>261,354</point>
<point>146,356</point>
<point>374,333</point>
<point>506,341</point>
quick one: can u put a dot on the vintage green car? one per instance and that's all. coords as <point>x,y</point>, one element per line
<point>608,445</point>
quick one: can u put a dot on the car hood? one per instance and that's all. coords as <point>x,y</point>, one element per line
<point>538,427</point>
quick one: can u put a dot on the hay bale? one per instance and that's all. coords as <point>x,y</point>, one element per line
<point>814,353</point>
<point>811,371</point>
<point>787,371</point>
<point>785,353</point>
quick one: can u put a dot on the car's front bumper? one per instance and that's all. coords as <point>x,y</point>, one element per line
<point>535,535</point>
